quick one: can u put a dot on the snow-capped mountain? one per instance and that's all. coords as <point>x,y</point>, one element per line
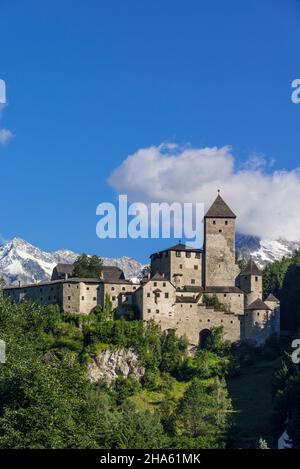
<point>21,261</point>
<point>264,251</point>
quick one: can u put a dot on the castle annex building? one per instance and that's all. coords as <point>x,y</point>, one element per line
<point>182,283</point>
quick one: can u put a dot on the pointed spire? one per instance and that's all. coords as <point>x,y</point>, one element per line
<point>251,269</point>
<point>219,209</point>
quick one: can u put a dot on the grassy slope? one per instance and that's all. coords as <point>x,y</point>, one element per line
<point>251,398</point>
<point>150,400</point>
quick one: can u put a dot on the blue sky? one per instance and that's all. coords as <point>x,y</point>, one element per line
<point>89,83</point>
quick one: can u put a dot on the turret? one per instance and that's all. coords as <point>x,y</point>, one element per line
<point>250,281</point>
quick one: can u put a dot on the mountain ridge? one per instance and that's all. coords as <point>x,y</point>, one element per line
<point>21,261</point>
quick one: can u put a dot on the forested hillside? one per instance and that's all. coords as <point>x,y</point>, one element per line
<point>282,278</point>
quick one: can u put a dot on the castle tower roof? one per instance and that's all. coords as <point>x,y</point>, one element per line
<point>219,209</point>
<point>251,269</point>
<point>259,305</point>
<point>272,299</point>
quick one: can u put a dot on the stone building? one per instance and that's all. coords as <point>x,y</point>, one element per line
<point>183,284</point>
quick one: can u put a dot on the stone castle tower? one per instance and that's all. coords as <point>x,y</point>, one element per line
<point>251,282</point>
<point>219,245</point>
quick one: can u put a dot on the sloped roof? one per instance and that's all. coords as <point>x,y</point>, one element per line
<point>190,289</point>
<point>219,209</point>
<point>272,298</point>
<point>179,247</point>
<point>251,269</point>
<point>111,272</point>
<point>64,268</point>
<point>185,299</point>
<point>223,290</point>
<point>258,304</point>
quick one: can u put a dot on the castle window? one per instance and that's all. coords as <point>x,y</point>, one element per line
<point>193,281</point>
<point>87,288</point>
<point>197,255</point>
<point>178,254</point>
<point>195,267</point>
<point>166,253</point>
<point>69,298</point>
<point>225,294</point>
<point>231,322</point>
<point>187,254</point>
<point>221,320</point>
<point>220,231</point>
<point>94,298</point>
<point>158,294</point>
<point>134,288</point>
<point>164,284</point>
<point>180,266</point>
<point>157,311</point>
<point>148,295</point>
<point>148,311</point>
<point>166,295</point>
<point>82,298</point>
<point>123,288</point>
<point>256,279</point>
<point>155,284</point>
<point>112,288</point>
<point>226,222</point>
<point>208,320</point>
<point>214,222</point>
<point>191,306</point>
<point>257,314</point>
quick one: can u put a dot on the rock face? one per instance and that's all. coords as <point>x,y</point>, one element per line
<point>109,364</point>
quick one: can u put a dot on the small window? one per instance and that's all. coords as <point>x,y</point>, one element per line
<point>187,254</point>
<point>195,267</point>
<point>208,320</point>
<point>148,311</point>
<point>164,284</point>
<point>155,284</point>
<point>69,298</point>
<point>220,231</point>
<point>166,295</point>
<point>123,288</point>
<point>225,294</point>
<point>178,254</point>
<point>112,288</point>
<point>148,295</point>
<point>157,294</point>
<point>180,266</point>
<point>256,279</point>
<point>87,288</point>
<point>214,222</point>
<point>94,298</point>
<point>157,311</point>
<point>113,298</point>
<point>82,298</point>
<point>197,255</point>
<point>226,222</point>
<point>193,281</point>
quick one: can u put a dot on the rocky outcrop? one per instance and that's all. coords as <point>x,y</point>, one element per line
<point>111,363</point>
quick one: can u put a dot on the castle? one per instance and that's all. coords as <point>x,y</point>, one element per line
<point>182,284</point>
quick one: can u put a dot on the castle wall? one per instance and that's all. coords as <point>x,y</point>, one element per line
<point>189,265</point>
<point>190,319</point>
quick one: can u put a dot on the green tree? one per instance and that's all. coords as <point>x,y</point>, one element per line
<point>88,266</point>
<point>202,415</point>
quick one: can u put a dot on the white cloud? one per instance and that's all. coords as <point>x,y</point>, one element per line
<point>5,136</point>
<point>267,204</point>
